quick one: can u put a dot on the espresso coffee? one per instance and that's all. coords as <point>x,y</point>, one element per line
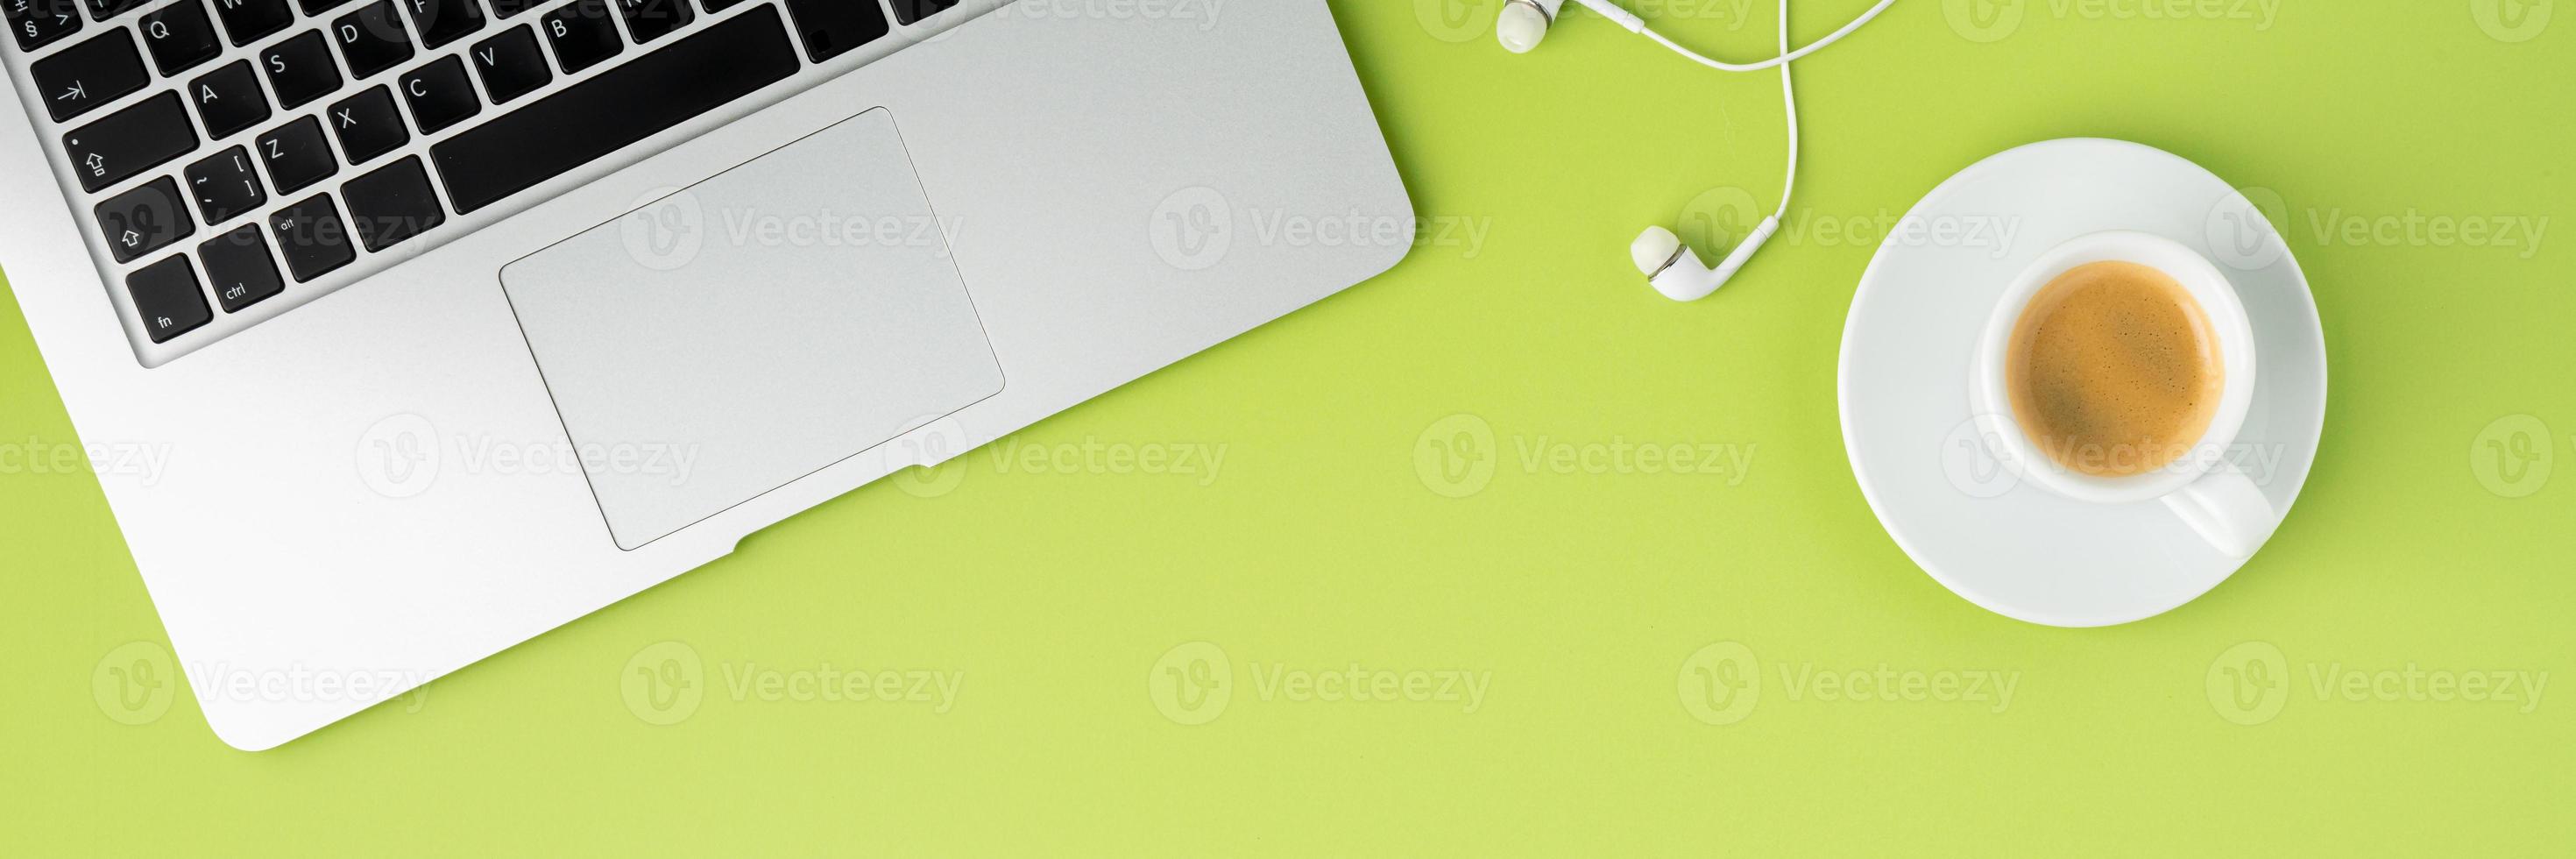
<point>2114,369</point>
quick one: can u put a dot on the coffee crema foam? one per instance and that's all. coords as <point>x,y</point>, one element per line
<point>2114,369</point>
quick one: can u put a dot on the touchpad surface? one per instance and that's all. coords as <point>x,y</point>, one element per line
<point>751,329</point>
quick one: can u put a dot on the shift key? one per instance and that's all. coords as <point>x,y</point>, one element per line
<point>130,141</point>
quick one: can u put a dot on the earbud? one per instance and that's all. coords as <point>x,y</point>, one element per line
<point>1524,23</point>
<point>1676,272</point>
<point>1669,266</point>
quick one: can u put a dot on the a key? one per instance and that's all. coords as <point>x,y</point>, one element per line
<point>179,36</point>
<point>228,99</point>
<point>507,8</point>
<point>439,95</point>
<point>225,185</point>
<point>85,76</point>
<point>317,7</point>
<point>166,298</point>
<point>300,70</point>
<point>238,268</point>
<point>830,28</point>
<point>311,238</point>
<point>367,125</point>
<point>647,20</point>
<point>247,20</point>
<point>581,34</point>
<point>392,204</point>
<point>143,220</point>
<point>684,78</point>
<point>101,10</point>
<point>444,21</point>
<point>371,39</point>
<point>136,138</point>
<point>37,23</point>
<point>910,11</point>
<point>295,155</point>
<point>510,64</point>
<point>715,6</point>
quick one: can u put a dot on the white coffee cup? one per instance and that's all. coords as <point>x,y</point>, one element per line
<point>2210,494</point>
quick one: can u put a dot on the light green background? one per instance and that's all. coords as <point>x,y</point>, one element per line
<point>1581,599</point>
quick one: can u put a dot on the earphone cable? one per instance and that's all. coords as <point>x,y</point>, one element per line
<point>1786,55</point>
<point>1789,98</point>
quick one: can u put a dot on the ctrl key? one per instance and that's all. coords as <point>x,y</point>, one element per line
<point>166,297</point>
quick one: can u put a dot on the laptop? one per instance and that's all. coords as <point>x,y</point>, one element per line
<point>455,320</point>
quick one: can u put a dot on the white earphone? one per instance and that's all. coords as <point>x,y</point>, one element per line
<point>1669,265</point>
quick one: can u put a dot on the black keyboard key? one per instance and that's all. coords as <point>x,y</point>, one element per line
<point>136,138</point>
<point>909,11</point>
<point>581,33</point>
<point>238,268</point>
<point>371,39</point>
<point>647,20</point>
<point>37,23</point>
<point>507,8</point>
<point>715,6</point>
<point>439,95</point>
<point>104,9</point>
<point>392,204</point>
<point>830,28</point>
<point>228,99</point>
<point>143,220</point>
<point>247,20</point>
<point>662,88</point>
<point>317,7</point>
<point>296,155</point>
<point>179,36</point>
<point>300,70</point>
<point>510,64</point>
<point>311,238</point>
<point>367,125</point>
<point>167,299</point>
<point>82,77</point>
<point>225,185</point>
<point>444,21</point>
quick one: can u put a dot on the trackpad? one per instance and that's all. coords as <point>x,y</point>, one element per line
<point>765,323</point>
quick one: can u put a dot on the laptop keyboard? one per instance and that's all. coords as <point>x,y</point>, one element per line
<point>229,154</point>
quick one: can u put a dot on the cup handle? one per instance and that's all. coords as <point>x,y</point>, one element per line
<point>2227,509</point>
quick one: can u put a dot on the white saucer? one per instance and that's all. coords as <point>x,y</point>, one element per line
<point>2018,550</point>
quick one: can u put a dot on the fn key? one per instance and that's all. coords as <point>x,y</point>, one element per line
<point>166,297</point>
